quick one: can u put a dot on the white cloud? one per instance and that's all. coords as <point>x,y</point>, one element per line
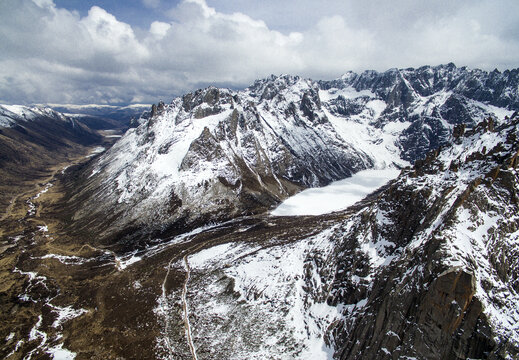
<point>151,3</point>
<point>109,36</point>
<point>57,56</point>
<point>159,29</point>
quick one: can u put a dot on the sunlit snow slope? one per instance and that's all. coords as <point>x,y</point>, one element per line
<point>425,266</point>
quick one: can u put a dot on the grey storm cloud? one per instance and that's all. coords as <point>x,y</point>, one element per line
<point>53,55</point>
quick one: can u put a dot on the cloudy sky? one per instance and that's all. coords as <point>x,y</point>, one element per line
<point>140,51</point>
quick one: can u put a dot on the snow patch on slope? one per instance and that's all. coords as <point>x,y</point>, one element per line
<point>275,277</point>
<point>379,145</point>
<point>499,113</point>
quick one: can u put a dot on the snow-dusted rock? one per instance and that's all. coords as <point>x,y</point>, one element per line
<point>431,258</point>
<point>216,154</point>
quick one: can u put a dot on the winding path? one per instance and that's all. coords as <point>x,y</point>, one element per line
<point>186,310</point>
<point>164,300</point>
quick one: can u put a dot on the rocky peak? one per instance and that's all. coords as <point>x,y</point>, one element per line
<point>273,86</point>
<point>157,109</point>
<point>210,97</point>
<point>311,104</point>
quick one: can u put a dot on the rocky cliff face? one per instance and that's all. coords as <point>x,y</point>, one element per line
<point>217,154</point>
<point>430,100</point>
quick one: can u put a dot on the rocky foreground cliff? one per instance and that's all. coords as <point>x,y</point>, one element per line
<point>436,274</point>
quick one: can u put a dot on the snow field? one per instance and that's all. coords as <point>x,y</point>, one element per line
<point>337,196</point>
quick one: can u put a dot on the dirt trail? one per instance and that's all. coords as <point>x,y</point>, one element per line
<point>186,310</point>
<point>164,299</point>
<point>185,307</point>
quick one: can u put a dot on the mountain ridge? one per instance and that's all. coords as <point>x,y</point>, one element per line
<point>257,133</point>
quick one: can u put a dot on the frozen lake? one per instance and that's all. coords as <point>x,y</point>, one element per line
<point>337,196</point>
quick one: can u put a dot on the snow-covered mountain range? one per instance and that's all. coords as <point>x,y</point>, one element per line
<point>103,116</point>
<point>216,153</point>
<point>10,115</point>
<point>166,245</point>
